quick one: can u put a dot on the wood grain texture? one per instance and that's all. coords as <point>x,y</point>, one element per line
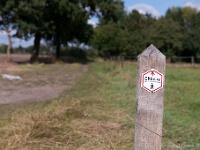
<point>150,106</point>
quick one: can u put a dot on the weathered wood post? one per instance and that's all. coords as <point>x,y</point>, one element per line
<point>150,99</point>
<point>122,62</point>
<point>192,61</point>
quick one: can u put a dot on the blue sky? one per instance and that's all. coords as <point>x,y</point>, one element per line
<point>158,7</point>
<point>155,7</point>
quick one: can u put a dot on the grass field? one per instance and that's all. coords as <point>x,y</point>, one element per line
<point>98,113</point>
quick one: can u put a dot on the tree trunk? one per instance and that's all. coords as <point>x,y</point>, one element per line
<point>58,47</point>
<point>9,46</point>
<point>36,48</point>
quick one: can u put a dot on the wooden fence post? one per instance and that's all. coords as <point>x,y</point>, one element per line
<point>150,99</point>
<point>122,62</point>
<point>192,61</point>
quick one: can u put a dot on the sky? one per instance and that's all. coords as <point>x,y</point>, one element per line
<point>158,7</point>
<point>155,7</point>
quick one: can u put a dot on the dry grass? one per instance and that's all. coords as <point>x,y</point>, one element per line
<point>98,113</point>
<point>81,118</point>
<point>58,127</point>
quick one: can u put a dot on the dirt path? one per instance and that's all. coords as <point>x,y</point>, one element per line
<point>40,82</point>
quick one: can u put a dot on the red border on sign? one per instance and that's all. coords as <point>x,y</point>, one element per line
<point>142,81</point>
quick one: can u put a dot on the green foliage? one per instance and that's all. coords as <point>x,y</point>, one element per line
<point>3,48</point>
<point>187,18</point>
<point>167,36</point>
<point>7,14</point>
<point>127,37</point>
<point>28,26</point>
<point>175,34</point>
<point>191,40</point>
<point>176,14</point>
<point>110,40</point>
<point>111,11</point>
<point>139,28</point>
<point>59,21</point>
<point>118,32</point>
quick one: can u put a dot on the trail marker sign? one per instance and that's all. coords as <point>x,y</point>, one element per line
<point>149,99</point>
<point>152,80</point>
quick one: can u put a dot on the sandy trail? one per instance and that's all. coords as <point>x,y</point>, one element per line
<point>38,84</point>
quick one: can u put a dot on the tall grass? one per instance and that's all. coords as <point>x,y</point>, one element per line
<point>98,113</point>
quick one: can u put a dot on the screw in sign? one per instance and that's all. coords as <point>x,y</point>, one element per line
<point>152,80</point>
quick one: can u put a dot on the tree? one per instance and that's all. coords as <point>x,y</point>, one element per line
<point>69,22</point>
<point>31,22</point>
<point>187,18</point>
<point>188,14</point>
<point>70,18</point>
<point>7,21</point>
<point>167,36</point>
<point>191,40</point>
<point>127,36</point>
<point>57,21</point>
<point>110,11</point>
<point>176,14</point>
<point>138,26</point>
<point>110,40</point>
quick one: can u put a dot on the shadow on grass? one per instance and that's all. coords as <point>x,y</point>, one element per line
<point>67,56</point>
<point>63,59</point>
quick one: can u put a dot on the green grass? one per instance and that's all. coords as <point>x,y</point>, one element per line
<point>181,116</point>
<point>98,113</point>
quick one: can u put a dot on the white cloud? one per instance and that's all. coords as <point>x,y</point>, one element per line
<point>144,8</point>
<point>92,22</point>
<point>195,4</point>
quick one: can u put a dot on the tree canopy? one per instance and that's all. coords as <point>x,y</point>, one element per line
<point>175,34</point>
<point>118,32</point>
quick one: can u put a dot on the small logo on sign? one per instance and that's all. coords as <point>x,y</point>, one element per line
<point>152,80</point>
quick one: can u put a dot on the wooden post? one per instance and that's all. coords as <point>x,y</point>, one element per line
<point>192,61</point>
<point>122,62</point>
<point>150,98</point>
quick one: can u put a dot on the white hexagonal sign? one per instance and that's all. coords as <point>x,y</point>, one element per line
<point>152,80</point>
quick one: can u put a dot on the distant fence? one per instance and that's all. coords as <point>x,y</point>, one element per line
<point>190,60</point>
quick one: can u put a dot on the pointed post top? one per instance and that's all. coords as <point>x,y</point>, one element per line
<point>151,51</point>
<point>150,58</point>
